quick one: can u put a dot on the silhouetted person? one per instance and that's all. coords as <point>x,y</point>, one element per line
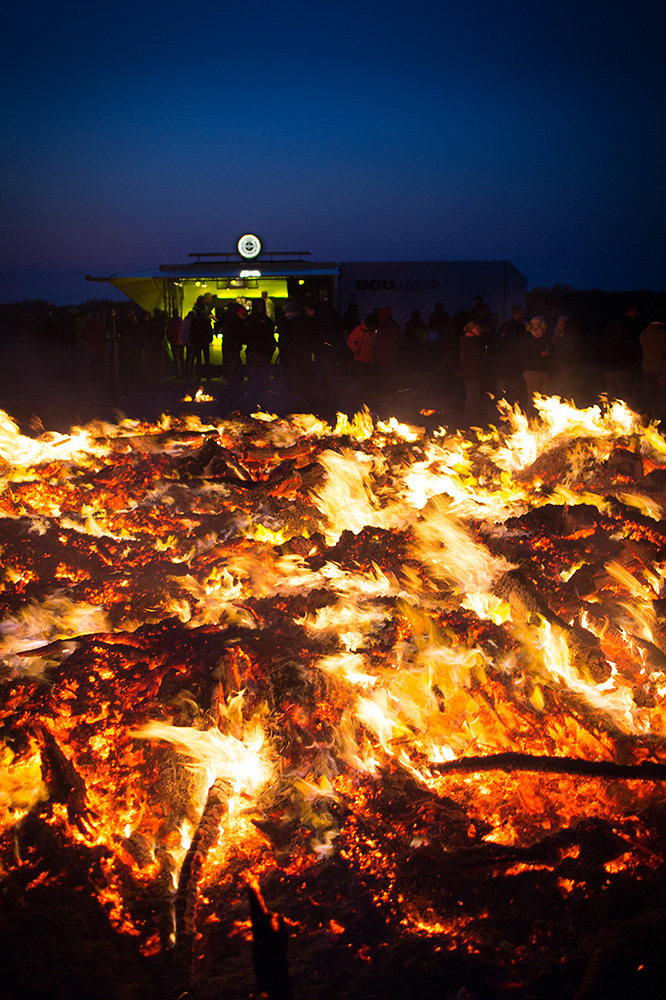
<point>567,364</point>
<point>175,344</point>
<point>484,314</point>
<point>536,359</point>
<point>653,368</point>
<point>201,337</point>
<point>416,339</point>
<point>350,318</point>
<point>451,384</point>
<point>324,339</point>
<point>259,335</point>
<point>472,370</point>
<point>507,357</point>
<point>188,367</point>
<point>269,306</point>
<point>386,349</point>
<point>233,338</point>
<point>438,324</point>
<point>295,333</point>
<point>622,354</point>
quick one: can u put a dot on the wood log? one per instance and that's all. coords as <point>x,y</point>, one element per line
<point>188,884</point>
<point>65,783</point>
<point>514,588</point>
<point>514,761</point>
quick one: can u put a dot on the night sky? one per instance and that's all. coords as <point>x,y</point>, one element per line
<point>137,133</point>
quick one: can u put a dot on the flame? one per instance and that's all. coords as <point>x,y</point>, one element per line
<point>23,452</point>
<point>57,617</point>
<point>613,699</point>
<point>200,396</point>
<point>558,419</point>
<point>21,784</point>
<point>347,500</point>
<point>451,554</point>
<point>216,754</point>
<point>646,505</point>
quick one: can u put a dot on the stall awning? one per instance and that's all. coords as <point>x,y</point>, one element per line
<point>149,288</point>
<point>268,269</point>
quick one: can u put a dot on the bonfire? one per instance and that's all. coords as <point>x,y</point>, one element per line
<point>341,711</point>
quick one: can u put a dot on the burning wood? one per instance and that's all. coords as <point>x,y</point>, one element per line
<point>190,874</point>
<point>396,679</point>
<point>647,771</point>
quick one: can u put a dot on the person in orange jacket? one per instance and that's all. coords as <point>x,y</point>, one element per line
<point>361,342</point>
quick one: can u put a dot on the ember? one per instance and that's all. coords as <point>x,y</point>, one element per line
<point>394,698</point>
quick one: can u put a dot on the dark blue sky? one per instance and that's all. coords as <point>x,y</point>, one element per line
<point>137,133</point>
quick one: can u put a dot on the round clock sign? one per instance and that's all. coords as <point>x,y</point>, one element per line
<point>249,246</point>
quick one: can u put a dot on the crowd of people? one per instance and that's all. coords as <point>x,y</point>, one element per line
<point>628,361</point>
<point>519,358</point>
<point>475,361</point>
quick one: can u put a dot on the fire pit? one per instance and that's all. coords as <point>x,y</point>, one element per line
<point>349,711</point>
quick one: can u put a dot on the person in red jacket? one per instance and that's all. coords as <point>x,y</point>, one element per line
<point>361,342</point>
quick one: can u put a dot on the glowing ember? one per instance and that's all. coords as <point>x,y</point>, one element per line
<point>259,651</point>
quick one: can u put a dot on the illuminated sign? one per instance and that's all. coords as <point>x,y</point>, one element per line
<point>249,246</point>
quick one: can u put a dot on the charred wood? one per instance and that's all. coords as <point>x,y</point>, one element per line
<point>515,588</point>
<point>514,761</point>
<point>188,883</point>
<point>65,783</point>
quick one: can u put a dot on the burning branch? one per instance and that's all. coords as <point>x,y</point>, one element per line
<point>513,761</point>
<point>522,595</point>
<point>190,874</point>
<point>65,783</point>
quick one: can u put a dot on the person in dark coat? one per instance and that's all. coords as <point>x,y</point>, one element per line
<point>438,324</point>
<point>481,310</point>
<point>507,357</point>
<point>535,354</point>
<point>295,332</point>
<point>416,340</point>
<point>622,354</point>
<point>201,337</point>
<point>233,338</point>
<point>259,334</point>
<point>324,337</point>
<point>176,345</point>
<point>351,318</point>
<point>386,349</point>
<point>566,361</point>
<point>472,370</point>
